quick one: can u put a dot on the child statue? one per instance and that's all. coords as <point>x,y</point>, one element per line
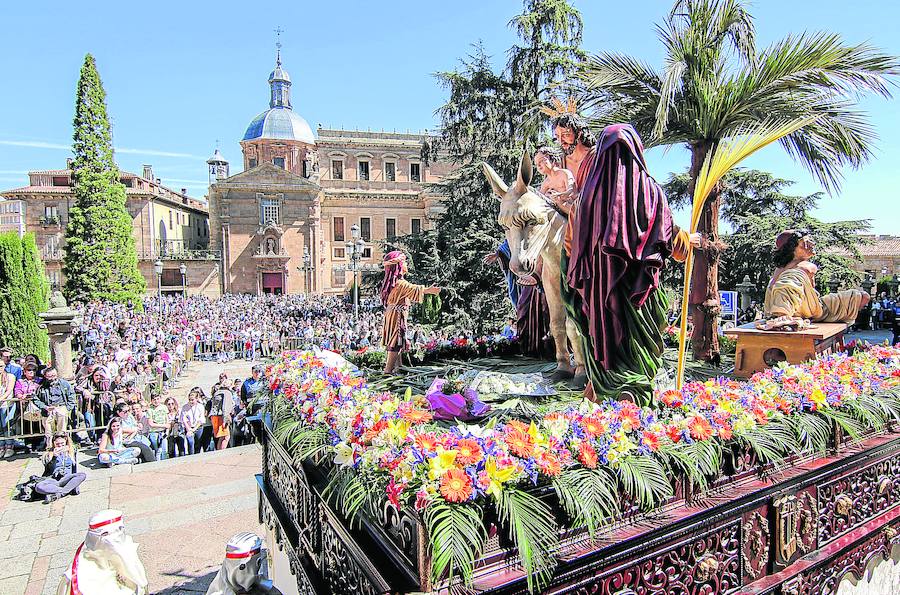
<point>792,294</point>
<point>397,294</point>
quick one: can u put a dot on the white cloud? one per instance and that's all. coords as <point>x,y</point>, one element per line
<point>125,150</point>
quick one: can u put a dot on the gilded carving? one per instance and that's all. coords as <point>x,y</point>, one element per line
<point>755,532</point>
<point>788,510</point>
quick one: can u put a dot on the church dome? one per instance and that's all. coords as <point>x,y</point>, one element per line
<point>280,123</point>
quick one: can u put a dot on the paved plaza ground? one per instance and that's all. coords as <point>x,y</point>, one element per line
<point>181,511</point>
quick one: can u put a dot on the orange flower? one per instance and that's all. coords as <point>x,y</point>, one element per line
<point>672,398</point>
<point>456,486</point>
<point>587,455</point>
<point>700,428</point>
<point>426,442</point>
<point>549,464</point>
<point>593,426</point>
<point>417,416</point>
<point>520,442</point>
<point>650,440</point>
<point>630,415</point>
<point>468,452</point>
<point>517,425</point>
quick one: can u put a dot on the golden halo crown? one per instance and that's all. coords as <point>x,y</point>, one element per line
<point>559,108</point>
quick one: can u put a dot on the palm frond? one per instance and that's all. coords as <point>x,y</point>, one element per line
<point>347,492</point>
<point>457,536</point>
<point>771,442</point>
<point>589,497</point>
<point>644,479</point>
<point>718,162</point>
<point>812,431</point>
<point>534,532</point>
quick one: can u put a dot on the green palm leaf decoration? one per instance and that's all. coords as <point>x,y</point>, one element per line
<point>457,536</point>
<point>589,497</point>
<point>644,479</point>
<point>534,532</point>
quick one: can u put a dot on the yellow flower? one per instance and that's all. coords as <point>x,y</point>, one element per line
<point>438,465</point>
<point>397,430</point>
<point>389,406</point>
<point>497,476</point>
<point>818,397</point>
<point>538,438</point>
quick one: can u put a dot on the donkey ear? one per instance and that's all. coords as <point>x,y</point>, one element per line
<point>525,173</point>
<point>497,185</point>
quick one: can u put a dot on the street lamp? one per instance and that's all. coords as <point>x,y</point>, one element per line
<point>307,268</point>
<point>183,269</point>
<point>158,267</point>
<point>355,250</point>
<point>894,283</point>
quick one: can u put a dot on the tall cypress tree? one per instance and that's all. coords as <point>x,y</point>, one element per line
<point>100,260</point>
<point>37,288</point>
<point>19,320</point>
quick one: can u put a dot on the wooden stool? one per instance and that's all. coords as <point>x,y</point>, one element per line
<point>756,350</point>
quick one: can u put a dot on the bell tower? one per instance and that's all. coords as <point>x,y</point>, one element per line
<point>218,167</point>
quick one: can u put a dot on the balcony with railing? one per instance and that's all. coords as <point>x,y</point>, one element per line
<point>51,221</point>
<point>380,185</point>
<point>51,253</point>
<point>179,250</point>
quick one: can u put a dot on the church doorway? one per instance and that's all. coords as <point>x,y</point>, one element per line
<point>273,283</point>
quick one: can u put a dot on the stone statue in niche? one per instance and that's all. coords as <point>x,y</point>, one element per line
<point>271,247</point>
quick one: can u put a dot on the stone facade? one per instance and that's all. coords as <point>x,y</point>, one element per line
<point>880,255</point>
<point>12,216</point>
<point>260,221</point>
<point>167,225</point>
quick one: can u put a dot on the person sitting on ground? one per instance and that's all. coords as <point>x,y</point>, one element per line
<point>60,470</point>
<point>131,435</point>
<point>792,294</point>
<point>112,449</point>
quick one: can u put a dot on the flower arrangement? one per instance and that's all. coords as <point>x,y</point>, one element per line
<point>452,398</point>
<point>587,453</point>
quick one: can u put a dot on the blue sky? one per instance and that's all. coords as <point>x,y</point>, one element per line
<point>181,75</point>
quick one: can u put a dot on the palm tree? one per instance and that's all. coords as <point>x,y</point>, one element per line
<point>714,85</point>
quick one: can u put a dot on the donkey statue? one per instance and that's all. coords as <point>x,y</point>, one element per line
<point>535,230</point>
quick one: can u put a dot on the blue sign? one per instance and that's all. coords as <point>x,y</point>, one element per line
<point>728,301</point>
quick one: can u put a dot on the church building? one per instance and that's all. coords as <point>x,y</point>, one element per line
<point>283,225</point>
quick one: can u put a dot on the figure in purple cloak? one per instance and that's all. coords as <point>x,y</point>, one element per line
<point>621,232</point>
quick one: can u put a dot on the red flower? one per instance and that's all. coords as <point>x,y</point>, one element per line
<point>587,455</point>
<point>393,492</point>
<point>674,433</point>
<point>593,426</point>
<point>417,416</point>
<point>650,440</point>
<point>468,452</point>
<point>456,486</point>
<point>549,464</point>
<point>672,398</point>
<point>426,442</point>
<point>630,416</point>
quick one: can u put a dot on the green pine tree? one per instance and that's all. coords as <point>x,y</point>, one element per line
<point>100,257</point>
<point>37,287</point>
<point>19,320</point>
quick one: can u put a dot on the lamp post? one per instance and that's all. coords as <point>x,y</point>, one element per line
<point>868,284</point>
<point>894,283</point>
<point>744,288</point>
<point>307,269</point>
<point>355,249</point>
<point>183,269</point>
<point>158,267</point>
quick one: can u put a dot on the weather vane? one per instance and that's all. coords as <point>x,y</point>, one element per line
<point>278,32</point>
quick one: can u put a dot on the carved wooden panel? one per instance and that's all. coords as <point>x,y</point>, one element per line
<point>345,569</point>
<point>755,539</point>
<point>825,579</point>
<point>700,565</point>
<point>847,502</point>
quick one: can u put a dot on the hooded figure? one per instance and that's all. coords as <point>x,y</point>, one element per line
<point>107,562</point>
<point>240,571</point>
<point>622,233</point>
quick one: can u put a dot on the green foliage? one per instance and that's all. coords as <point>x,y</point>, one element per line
<point>35,278</point>
<point>757,209</point>
<point>492,116</point>
<point>457,535</point>
<point>100,257</point>
<point>21,297</point>
<point>533,530</point>
<point>589,496</point>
